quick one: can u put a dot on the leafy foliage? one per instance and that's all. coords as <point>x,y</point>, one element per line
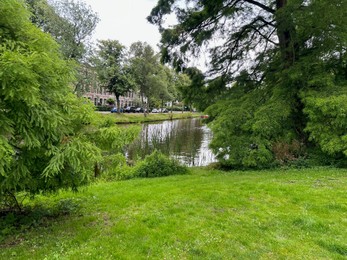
<point>328,119</point>
<point>70,23</point>
<point>278,74</point>
<point>46,132</point>
<point>158,165</point>
<point>113,70</point>
<point>145,68</point>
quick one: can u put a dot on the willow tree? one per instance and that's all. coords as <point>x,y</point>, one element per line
<point>283,65</point>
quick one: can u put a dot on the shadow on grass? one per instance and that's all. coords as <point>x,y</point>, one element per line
<point>14,223</point>
<point>333,248</point>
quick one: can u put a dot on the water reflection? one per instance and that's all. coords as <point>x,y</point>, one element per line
<point>186,140</point>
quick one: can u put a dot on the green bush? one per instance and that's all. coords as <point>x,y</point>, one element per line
<point>103,108</point>
<point>157,165</point>
<point>115,168</point>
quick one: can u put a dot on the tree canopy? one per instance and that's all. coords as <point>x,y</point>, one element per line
<point>70,23</point>
<point>283,71</point>
<point>147,70</point>
<point>113,68</point>
<point>47,139</point>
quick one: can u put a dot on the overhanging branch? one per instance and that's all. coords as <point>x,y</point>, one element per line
<point>262,6</point>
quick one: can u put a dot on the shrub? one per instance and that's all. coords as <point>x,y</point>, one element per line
<point>157,165</point>
<point>115,169</point>
<point>103,108</point>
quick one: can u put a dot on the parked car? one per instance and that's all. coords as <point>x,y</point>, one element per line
<point>139,110</point>
<point>114,110</point>
<point>130,109</point>
<point>159,110</point>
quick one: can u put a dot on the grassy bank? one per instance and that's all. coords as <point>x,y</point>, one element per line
<point>206,215</point>
<point>140,118</point>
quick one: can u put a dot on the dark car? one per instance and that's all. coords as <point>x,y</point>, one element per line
<point>130,109</point>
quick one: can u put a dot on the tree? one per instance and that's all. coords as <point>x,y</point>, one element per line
<point>147,71</point>
<point>194,93</point>
<point>77,23</point>
<point>174,83</point>
<point>110,101</point>
<point>283,71</point>
<point>45,16</point>
<point>40,118</point>
<point>71,24</point>
<point>113,70</point>
<point>45,130</point>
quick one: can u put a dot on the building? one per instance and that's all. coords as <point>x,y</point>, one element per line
<point>91,89</point>
<point>99,97</point>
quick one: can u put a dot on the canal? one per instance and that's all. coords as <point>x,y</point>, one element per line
<point>186,140</point>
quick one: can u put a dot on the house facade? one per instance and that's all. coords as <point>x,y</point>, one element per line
<point>100,96</point>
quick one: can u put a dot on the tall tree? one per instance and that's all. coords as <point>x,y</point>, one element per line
<point>48,138</point>
<point>194,93</point>
<point>113,68</point>
<point>40,120</point>
<point>147,71</point>
<point>74,32</point>
<point>283,70</point>
<point>71,24</point>
<point>45,16</point>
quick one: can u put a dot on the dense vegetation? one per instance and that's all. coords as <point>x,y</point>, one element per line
<point>49,138</point>
<point>278,71</point>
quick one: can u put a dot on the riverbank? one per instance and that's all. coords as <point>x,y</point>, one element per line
<point>128,118</point>
<point>209,214</point>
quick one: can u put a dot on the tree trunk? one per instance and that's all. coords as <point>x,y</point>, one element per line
<point>289,51</point>
<point>286,34</point>
<point>118,103</point>
<point>145,107</point>
<point>96,170</point>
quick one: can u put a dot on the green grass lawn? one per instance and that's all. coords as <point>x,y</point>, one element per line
<point>140,118</point>
<point>293,214</point>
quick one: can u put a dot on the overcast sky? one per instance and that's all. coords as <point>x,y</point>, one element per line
<point>125,21</point>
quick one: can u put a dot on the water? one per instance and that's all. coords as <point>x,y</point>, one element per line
<point>186,140</point>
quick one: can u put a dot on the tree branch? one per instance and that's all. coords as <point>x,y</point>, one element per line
<point>262,6</point>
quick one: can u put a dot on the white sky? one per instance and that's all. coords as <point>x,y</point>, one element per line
<point>125,21</point>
